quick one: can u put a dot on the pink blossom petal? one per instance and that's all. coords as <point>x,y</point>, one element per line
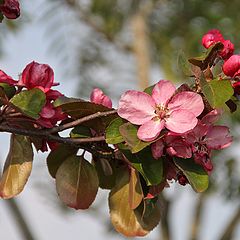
<point>163,91</point>
<point>189,101</point>
<point>4,78</point>
<point>137,107</point>
<point>97,96</point>
<point>211,117</point>
<point>150,130</point>
<point>157,149</point>
<point>177,146</point>
<point>47,111</point>
<point>218,137</point>
<point>181,121</point>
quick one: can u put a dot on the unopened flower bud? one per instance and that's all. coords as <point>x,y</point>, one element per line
<point>10,9</point>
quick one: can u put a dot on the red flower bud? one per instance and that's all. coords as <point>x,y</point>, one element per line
<point>231,67</point>
<point>37,75</point>
<point>211,37</point>
<point>10,9</point>
<point>236,87</point>
<point>228,49</point>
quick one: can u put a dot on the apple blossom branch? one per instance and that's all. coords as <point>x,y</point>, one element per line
<point>80,121</point>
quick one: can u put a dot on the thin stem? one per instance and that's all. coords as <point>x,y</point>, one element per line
<point>44,134</point>
<point>79,121</point>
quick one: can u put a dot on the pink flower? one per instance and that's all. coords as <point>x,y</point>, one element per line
<point>174,145</point>
<point>211,37</point>
<point>10,9</point>
<point>231,67</point>
<point>49,116</point>
<point>98,97</point>
<point>204,139</point>
<point>4,78</point>
<point>37,75</point>
<point>177,113</point>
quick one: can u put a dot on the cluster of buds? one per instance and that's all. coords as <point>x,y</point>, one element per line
<point>231,65</point>
<point>10,8</point>
<point>40,76</point>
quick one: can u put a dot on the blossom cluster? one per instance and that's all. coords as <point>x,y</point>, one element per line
<point>172,121</point>
<point>10,9</point>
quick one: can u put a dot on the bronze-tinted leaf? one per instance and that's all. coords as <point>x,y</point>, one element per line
<point>77,108</point>
<point>135,190</point>
<point>58,156</point>
<point>17,168</point>
<point>77,182</point>
<point>125,220</point>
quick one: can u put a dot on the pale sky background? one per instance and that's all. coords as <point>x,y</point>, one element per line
<point>39,202</point>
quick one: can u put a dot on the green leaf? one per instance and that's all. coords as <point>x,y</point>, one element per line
<point>150,168</point>
<point>1,16</point>
<point>129,134</point>
<point>113,135</point>
<point>150,213</point>
<point>8,89</point>
<point>30,102</point>
<point>135,190</point>
<point>207,59</point>
<point>216,91</point>
<point>183,64</point>
<point>149,89</point>
<point>17,168</point>
<point>58,156</point>
<point>196,175</point>
<point>80,132</point>
<point>77,182</point>
<point>123,218</point>
<point>77,108</point>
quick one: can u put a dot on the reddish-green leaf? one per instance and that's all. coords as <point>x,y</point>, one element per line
<point>77,182</point>
<point>77,108</point>
<point>106,171</point>
<point>17,168</point>
<point>58,156</point>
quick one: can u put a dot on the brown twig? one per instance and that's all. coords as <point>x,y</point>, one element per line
<point>44,134</point>
<point>79,121</point>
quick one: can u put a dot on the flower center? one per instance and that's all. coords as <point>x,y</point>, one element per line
<point>161,111</point>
